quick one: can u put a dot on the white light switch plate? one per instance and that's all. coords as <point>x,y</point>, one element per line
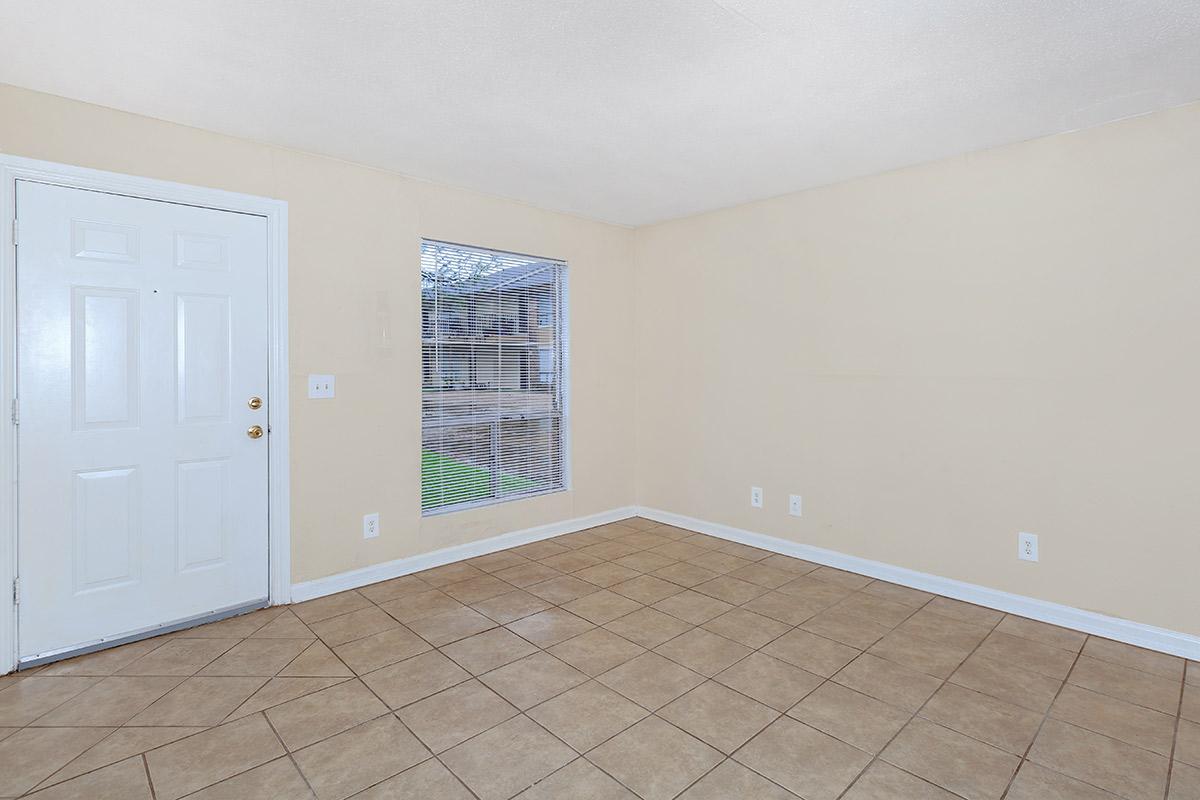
<point>320,386</point>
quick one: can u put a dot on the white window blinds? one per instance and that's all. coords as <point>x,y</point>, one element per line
<point>492,363</point>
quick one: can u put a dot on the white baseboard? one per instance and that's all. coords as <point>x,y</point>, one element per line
<point>1121,630</point>
<point>332,584</point>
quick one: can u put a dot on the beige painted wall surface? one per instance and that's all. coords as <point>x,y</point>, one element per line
<point>353,250</point>
<point>940,357</point>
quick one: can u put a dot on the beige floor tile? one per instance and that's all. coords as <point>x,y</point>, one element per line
<point>762,575</point>
<point>512,606</point>
<point>1191,703</point>
<point>112,701</point>
<point>803,760</point>
<point>384,591</point>
<point>811,653</point>
<point>784,608</point>
<point>429,780</point>
<point>329,606</point>
<point>703,652</point>
<point>252,657</point>
<point>442,629</point>
<point>1187,743</point>
<point>1185,782</point>
<point>125,780</point>
<point>587,715</point>
<point>1100,761</point>
<point>579,780</point>
<point>1160,664</point>
<point>967,767</point>
<point>180,657</point>
<point>691,606</point>
<point>352,626</point>
<point>477,589</point>
<point>571,562</point>
<point>655,759</point>
<point>965,612</point>
<point>372,652</point>
<point>1193,673</point>
<point>882,781</point>
<point>744,551</point>
<point>102,663</point>
<point>647,627</point>
<point>609,550</point>
<point>746,627</point>
<point>596,651</point>
<point>1052,635</point>
<point>26,700</point>
<point>732,590</point>
<point>415,678</point>
<point>562,589</point>
<point>317,661</point>
<point>650,680</point>
<point>1006,682</point>
<point>793,566</point>
<point>549,627</point>
<point>578,540</point>
<point>456,714</point>
<point>494,562</point>
<point>602,606</point>
<point>533,679</point>
<point>485,651</point>
<point>204,759</point>
<point>913,598</point>
<point>277,691</point>
<point>1000,724</point>
<point>1143,727</point>
<point>851,716</point>
<point>679,550</point>
<point>845,627</point>
<point>606,574</point>
<point>412,607</point>
<point>646,562</point>
<point>731,780</point>
<point>29,756</point>
<point>932,658</point>
<point>507,759</point>
<point>1127,684</point>
<point>118,746</point>
<point>719,562</point>
<point>682,573</point>
<point>285,626</point>
<point>199,701</point>
<point>360,757</point>
<point>769,680</point>
<point>275,780</point>
<point>1027,654</point>
<point>315,716</point>
<point>457,571</point>
<point>945,630</point>
<point>876,609</point>
<point>839,577</point>
<point>887,681</point>
<point>540,550</point>
<point>1034,782</point>
<point>810,592</point>
<point>647,589</point>
<point>525,575</point>
<point>718,716</point>
<point>235,627</point>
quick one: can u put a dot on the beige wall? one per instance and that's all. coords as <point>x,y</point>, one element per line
<point>353,242</point>
<point>940,357</point>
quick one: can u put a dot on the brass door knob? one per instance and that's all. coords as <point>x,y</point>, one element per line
<point>254,431</point>
<point>255,403</point>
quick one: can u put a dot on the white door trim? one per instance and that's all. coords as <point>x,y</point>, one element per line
<point>13,168</point>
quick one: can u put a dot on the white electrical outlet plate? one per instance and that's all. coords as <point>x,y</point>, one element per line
<point>320,387</point>
<point>1027,546</point>
<point>795,504</point>
<point>370,526</point>
<point>756,496</point>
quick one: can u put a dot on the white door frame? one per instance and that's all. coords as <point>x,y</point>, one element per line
<point>13,168</point>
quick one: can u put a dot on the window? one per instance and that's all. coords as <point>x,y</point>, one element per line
<point>493,346</point>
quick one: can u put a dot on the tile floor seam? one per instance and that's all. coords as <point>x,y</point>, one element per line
<point>149,780</point>
<point>1175,735</point>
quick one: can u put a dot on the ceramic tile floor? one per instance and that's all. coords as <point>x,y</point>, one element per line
<point>630,660</point>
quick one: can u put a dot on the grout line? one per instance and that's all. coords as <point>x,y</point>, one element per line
<point>1175,736</point>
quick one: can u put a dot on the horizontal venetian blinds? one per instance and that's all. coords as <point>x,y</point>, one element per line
<point>492,356</point>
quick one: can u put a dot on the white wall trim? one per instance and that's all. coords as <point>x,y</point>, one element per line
<point>353,579</point>
<point>13,168</point>
<point>1121,630</point>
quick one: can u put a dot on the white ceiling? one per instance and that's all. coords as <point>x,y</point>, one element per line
<point>629,111</point>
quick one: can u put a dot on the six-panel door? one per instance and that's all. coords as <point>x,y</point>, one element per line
<point>142,335</point>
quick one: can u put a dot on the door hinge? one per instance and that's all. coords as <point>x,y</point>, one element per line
<point>16,231</point>
<point>16,416</point>
<point>16,591</point>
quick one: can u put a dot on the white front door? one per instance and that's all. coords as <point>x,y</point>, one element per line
<point>142,338</point>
